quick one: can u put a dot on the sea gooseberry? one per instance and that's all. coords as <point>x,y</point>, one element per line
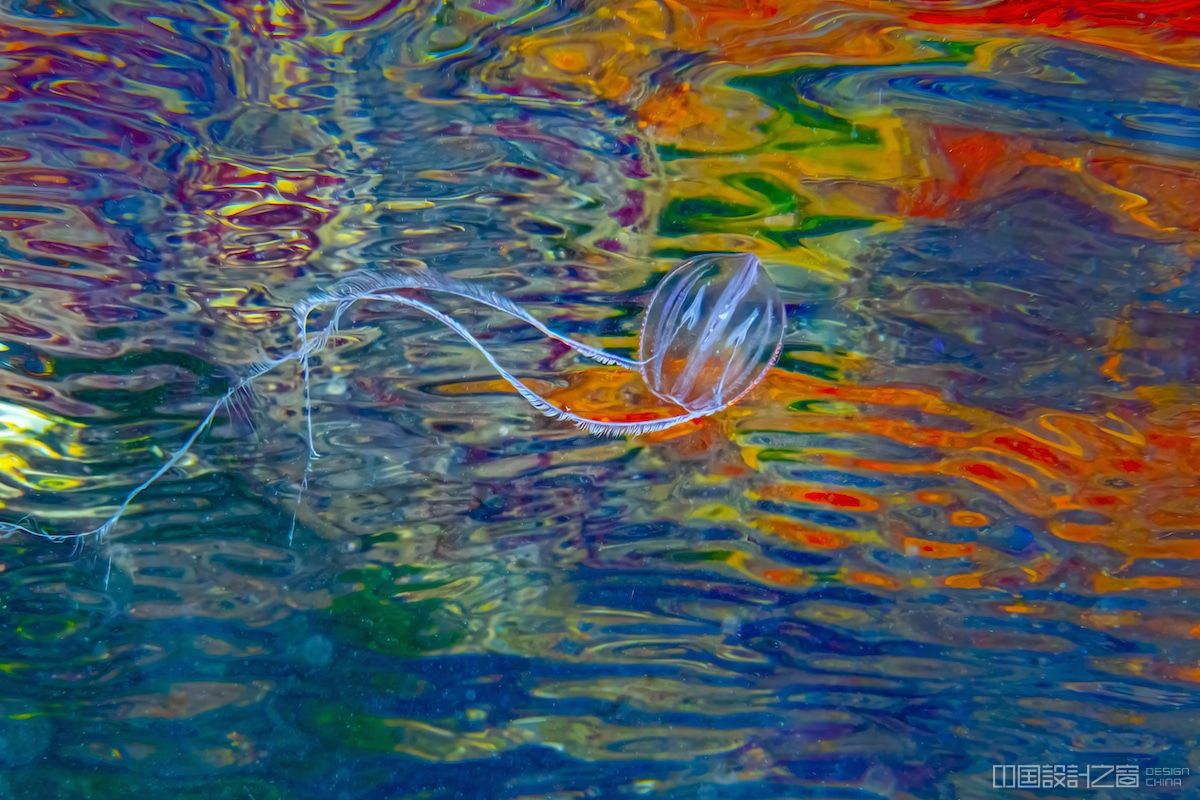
<point>712,330</point>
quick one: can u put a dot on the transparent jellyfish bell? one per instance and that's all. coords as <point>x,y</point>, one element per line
<point>712,331</point>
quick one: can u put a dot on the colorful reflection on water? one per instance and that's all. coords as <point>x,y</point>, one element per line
<point>956,527</point>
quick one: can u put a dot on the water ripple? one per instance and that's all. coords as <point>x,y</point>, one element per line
<point>954,528</point>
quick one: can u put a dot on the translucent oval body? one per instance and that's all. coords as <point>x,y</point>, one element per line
<point>712,331</point>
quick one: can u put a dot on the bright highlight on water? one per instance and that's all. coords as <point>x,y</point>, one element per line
<point>712,331</point>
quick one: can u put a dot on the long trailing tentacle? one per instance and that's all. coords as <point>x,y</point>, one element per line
<point>360,285</point>
<point>594,426</point>
<point>307,348</point>
<point>100,530</point>
<point>380,286</point>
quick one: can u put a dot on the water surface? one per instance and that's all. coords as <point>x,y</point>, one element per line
<point>955,528</point>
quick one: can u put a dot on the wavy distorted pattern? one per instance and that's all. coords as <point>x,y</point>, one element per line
<point>1034,88</point>
<point>954,527</point>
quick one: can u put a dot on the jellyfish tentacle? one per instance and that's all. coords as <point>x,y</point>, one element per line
<point>344,296</point>
<point>306,372</point>
<point>595,426</point>
<point>681,302</point>
<point>307,348</point>
<point>8,528</point>
<point>358,285</point>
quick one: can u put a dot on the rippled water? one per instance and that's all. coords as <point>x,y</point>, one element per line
<point>956,528</point>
